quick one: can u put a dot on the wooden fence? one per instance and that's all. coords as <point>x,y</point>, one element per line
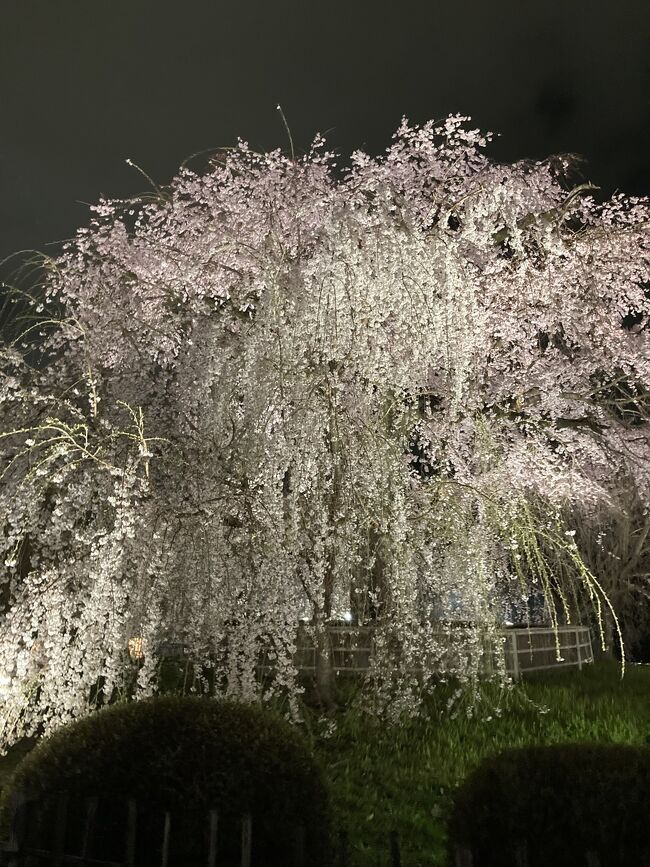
<point>463,857</point>
<point>22,851</point>
<point>27,848</point>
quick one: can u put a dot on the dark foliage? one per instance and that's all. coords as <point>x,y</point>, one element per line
<point>561,801</point>
<point>187,755</point>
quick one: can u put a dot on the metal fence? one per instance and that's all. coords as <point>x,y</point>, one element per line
<point>537,649</point>
<point>526,649</point>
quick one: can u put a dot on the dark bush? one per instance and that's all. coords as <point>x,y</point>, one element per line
<point>562,802</point>
<point>187,755</point>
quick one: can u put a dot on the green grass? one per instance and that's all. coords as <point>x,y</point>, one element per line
<point>403,778</point>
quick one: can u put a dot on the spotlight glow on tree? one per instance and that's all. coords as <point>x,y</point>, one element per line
<point>268,395</point>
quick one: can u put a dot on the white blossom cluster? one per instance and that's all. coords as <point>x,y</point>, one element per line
<point>272,396</point>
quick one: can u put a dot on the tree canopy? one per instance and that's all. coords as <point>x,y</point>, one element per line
<point>266,395</point>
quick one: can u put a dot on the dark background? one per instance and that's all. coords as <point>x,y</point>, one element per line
<point>84,84</point>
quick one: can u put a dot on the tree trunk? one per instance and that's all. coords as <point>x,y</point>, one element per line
<point>369,591</point>
<point>324,670</point>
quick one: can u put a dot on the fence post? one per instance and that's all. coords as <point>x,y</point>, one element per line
<point>463,857</point>
<point>59,831</point>
<point>246,840</point>
<point>515,655</point>
<point>164,858</point>
<point>132,817</point>
<point>521,854</point>
<point>299,846</point>
<point>395,859</point>
<point>34,838</point>
<point>91,809</point>
<point>578,649</point>
<point>344,860</point>
<point>212,844</point>
<point>18,829</point>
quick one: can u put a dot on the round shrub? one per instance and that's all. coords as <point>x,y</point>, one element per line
<point>187,755</point>
<point>561,801</point>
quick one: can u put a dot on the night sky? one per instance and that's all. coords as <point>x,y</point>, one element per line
<point>86,84</point>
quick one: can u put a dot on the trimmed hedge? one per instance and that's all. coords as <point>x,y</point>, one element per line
<point>188,755</point>
<point>562,801</point>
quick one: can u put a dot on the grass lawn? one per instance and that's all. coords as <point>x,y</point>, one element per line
<point>402,778</point>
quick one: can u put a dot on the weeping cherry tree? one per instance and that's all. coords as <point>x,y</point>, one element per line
<point>273,393</point>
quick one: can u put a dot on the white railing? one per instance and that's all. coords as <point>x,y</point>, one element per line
<point>536,649</point>
<point>525,649</point>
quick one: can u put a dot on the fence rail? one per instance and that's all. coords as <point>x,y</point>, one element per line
<point>521,650</point>
<point>537,649</point>
<point>525,649</point>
